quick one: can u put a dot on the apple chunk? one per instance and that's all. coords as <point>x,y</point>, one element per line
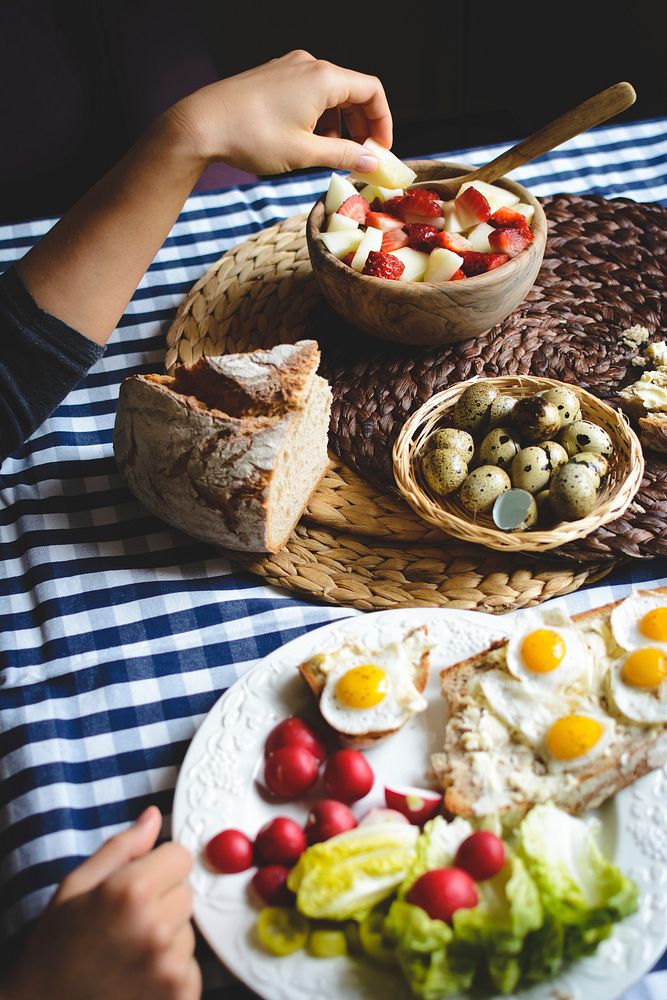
<point>343,242</point>
<point>442,264</point>
<point>372,240</point>
<point>415,263</point>
<point>337,223</point>
<point>340,189</point>
<point>390,171</point>
<point>497,197</point>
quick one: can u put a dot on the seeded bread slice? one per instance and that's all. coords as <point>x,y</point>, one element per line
<point>484,769</point>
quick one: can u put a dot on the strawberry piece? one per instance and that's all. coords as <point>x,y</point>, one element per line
<point>471,207</point>
<point>377,205</point>
<point>475,262</point>
<point>394,240</point>
<point>452,241</point>
<point>507,218</point>
<point>383,265</point>
<point>392,205</point>
<point>380,220</point>
<point>458,275</point>
<point>510,241</point>
<point>355,207</point>
<point>423,194</point>
<point>347,259</point>
<point>415,207</point>
<point>420,237</point>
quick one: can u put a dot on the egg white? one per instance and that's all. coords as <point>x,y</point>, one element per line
<point>626,616</point>
<point>647,706</point>
<point>571,667</point>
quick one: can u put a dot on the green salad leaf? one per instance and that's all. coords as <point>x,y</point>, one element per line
<point>436,848</point>
<point>432,963</point>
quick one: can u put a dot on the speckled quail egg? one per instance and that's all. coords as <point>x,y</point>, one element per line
<point>515,510</point>
<point>542,501</point>
<point>482,487</point>
<point>530,469</point>
<point>471,411</point>
<point>451,437</point>
<point>555,453</point>
<point>583,435</point>
<point>498,447</point>
<point>572,492</point>
<point>535,419</point>
<point>595,462</point>
<point>444,470</point>
<point>500,413</point>
<point>566,402</point>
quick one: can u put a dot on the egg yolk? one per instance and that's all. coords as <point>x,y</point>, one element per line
<point>645,668</point>
<point>654,624</point>
<point>542,650</point>
<point>573,736</point>
<point>362,687</point>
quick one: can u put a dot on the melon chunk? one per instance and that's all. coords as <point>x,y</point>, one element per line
<point>372,191</point>
<point>527,210</point>
<point>442,264</point>
<point>497,197</point>
<point>479,237</point>
<point>337,223</point>
<point>451,221</point>
<point>372,240</point>
<point>390,171</point>
<point>415,263</point>
<point>342,242</point>
<point>340,189</point>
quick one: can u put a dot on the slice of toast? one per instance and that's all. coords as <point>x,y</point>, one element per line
<point>484,768</point>
<point>314,676</point>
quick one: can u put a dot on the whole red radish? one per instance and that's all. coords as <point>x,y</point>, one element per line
<point>270,884</point>
<point>290,771</point>
<point>482,855</point>
<point>417,804</point>
<point>328,818</point>
<point>348,776</point>
<point>281,841</point>
<point>293,731</point>
<point>443,891</point>
<point>229,851</point>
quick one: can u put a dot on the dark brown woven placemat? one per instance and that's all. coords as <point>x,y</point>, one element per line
<point>603,271</point>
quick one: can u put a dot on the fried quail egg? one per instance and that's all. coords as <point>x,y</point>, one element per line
<point>637,685</point>
<point>519,709</point>
<point>641,620</point>
<point>546,652</point>
<point>577,739</point>
<point>369,691</point>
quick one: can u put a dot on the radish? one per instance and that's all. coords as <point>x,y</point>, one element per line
<point>328,818</point>
<point>380,815</point>
<point>230,851</point>
<point>443,891</point>
<point>281,841</point>
<point>482,855</point>
<point>417,804</point>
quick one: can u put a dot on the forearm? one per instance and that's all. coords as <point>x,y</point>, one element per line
<point>86,269</point>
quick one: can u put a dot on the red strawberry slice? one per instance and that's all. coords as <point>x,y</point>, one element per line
<point>380,220</point>
<point>383,265</point>
<point>423,194</point>
<point>507,218</point>
<point>420,237</point>
<point>510,241</point>
<point>394,240</point>
<point>475,262</point>
<point>452,241</point>
<point>392,205</point>
<point>471,207</point>
<point>415,208</point>
<point>355,207</point>
<point>347,259</point>
<point>458,275</point>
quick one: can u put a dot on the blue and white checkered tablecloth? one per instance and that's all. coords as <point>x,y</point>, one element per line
<point>117,633</point>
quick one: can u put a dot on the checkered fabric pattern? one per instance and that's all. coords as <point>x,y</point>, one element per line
<point>118,633</point>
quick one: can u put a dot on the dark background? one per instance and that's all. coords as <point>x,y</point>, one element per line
<point>80,79</point>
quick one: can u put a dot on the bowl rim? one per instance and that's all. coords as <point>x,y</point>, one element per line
<point>539,229</point>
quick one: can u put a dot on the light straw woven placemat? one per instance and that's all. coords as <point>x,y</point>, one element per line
<point>358,545</point>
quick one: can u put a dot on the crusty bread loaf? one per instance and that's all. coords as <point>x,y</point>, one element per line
<point>483,769</point>
<point>653,431</point>
<point>231,449</point>
<point>316,680</point>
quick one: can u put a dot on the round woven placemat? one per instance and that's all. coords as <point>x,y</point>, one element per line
<point>263,293</point>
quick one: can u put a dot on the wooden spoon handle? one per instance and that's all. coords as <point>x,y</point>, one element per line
<point>592,112</point>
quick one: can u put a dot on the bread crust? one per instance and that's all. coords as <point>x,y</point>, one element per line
<point>602,779</point>
<point>316,682</point>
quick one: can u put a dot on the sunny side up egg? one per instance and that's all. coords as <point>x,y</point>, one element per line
<point>368,691</point>
<point>546,652</point>
<point>637,681</point>
<point>641,620</point>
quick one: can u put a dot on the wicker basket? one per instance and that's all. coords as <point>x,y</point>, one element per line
<point>626,468</point>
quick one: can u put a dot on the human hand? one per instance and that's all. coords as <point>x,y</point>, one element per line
<point>118,926</point>
<point>264,120</point>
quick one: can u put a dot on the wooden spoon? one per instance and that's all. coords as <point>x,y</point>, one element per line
<point>592,112</point>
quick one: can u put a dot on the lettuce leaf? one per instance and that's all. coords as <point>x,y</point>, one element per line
<point>436,848</point>
<point>433,964</point>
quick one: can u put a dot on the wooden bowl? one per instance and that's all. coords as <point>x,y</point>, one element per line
<point>417,312</point>
<point>626,468</point>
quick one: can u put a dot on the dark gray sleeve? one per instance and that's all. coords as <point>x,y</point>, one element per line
<point>41,360</point>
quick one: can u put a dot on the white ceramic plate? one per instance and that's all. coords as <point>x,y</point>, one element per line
<point>218,787</point>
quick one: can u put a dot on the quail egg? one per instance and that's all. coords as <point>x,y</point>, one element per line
<point>595,462</point>
<point>572,492</point>
<point>500,413</point>
<point>499,448</point>
<point>530,469</point>
<point>566,402</point>
<point>471,411</point>
<point>535,419</point>
<point>444,470</point>
<point>543,506</point>
<point>482,487</point>
<point>555,453</point>
<point>583,435</point>
<point>515,510</point>
<point>451,437</point>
